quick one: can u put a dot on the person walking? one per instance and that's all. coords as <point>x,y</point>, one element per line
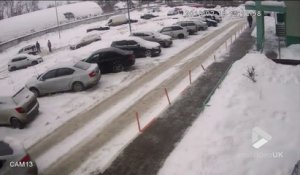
<point>38,47</point>
<point>49,46</point>
<point>250,19</point>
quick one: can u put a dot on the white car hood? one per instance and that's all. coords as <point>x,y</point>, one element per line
<point>163,37</point>
<point>32,81</point>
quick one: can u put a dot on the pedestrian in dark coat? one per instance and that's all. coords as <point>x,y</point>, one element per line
<point>250,19</point>
<point>38,47</point>
<point>49,46</point>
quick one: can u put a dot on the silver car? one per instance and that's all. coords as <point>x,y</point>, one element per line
<point>201,25</point>
<point>72,76</point>
<point>19,109</point>
<point>23,61</point>
<point>14,160</point>
<point>175,31</point>
<point>190,26</point>
<point>86,40</point>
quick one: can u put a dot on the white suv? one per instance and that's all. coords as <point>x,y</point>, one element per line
<point>175,31</point>
<point>23,61</point>
<point>189,25</point>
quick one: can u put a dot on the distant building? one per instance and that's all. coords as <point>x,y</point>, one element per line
<point>287,22</point>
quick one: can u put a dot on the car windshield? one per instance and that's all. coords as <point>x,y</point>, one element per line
<point>82,65</point>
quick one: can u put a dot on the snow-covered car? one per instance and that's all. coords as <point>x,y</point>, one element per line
<point>86,40</point>
<point>30,49</point>
<point>23,61</point>
<point>211,22</point>
<point>19,109</point>
<point>117,20</point>
<point>71,76</point>
<point>100,28</point>
<point>139,46</point>
<point>163,40</point>
<point>148,16</point>
<point>172,12</point>
<point>14,160</point>
<point>190,26</point>
<point>201,24</point>
<point>175,11</point>
<point>175,31</point>
<point>214,17</point>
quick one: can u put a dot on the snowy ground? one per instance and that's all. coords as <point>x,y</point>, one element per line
<point>222,133</point>
<point>67,105</point>
<point>104,156</point>
<point>220,140</point>
<point>59,108</point>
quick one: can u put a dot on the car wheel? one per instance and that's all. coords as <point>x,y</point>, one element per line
<point>118,67</point>
<point>34,63</point>
<point>148,53</point>
<point>77,87</point>
<point>12,69</point>
<point>35,92</point>
<point>16,123</point>
<point>181,36</point>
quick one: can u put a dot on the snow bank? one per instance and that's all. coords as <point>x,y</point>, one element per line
<point>43,19</point>
<point>292,52</point>
<point>267,3</point>
<point>219,141</point>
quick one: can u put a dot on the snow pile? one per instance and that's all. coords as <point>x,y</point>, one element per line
<point>120,5</point>
<point>43,19</point>
<point>267,3</point>
<point>219,141</point>
<point>292,52</point>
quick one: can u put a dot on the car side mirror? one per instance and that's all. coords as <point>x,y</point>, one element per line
<point>41,78</point>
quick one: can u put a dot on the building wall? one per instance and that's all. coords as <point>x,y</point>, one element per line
<point>293,22</point>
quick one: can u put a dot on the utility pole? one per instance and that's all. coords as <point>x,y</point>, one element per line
<point>57,19</point>
<point>129,21</point>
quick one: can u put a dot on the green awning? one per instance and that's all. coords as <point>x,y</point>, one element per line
<point>271,6</point>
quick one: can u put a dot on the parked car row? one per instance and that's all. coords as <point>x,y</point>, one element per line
<point>121,55</point>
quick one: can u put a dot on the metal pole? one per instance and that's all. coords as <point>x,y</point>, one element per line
<point>57,19</point>
<point>129,22</point>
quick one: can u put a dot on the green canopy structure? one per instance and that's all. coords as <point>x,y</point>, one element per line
<point>260,7</point>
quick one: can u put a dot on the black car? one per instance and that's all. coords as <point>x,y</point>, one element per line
<point>97,29</point>
<point>132,21</point>
<point>211,22</point>
<point>140,47</point>
<point>148,16</point>
<point>30,49</point>
<point>111,59</point>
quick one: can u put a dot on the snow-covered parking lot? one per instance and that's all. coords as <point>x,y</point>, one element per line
<point>57,109</point>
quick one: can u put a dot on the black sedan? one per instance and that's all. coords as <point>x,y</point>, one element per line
<point>139,46</point>
<point>148,16</point>
<point>97,29</point>
<point>111,59</point>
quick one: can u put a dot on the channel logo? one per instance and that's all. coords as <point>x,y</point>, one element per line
<point>259,137</point>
